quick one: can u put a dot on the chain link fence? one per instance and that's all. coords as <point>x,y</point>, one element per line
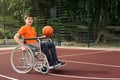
<point>71,28</point>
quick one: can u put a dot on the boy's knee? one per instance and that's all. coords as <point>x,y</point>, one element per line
<point>48,44</point>
<point>52,44</point>
<point>44,44</point>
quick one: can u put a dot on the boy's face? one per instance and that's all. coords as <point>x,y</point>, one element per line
<point>29,21</point>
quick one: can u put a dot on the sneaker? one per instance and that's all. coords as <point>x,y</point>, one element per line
<point>62,63</point>
<point>56,64</point>
<point>51,67</point>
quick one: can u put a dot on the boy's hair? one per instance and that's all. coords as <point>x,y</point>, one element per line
<point>27,15</point>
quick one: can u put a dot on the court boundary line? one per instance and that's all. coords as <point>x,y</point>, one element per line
<point>90,48</point>
<point>70,76</point>
<point>95,64</point>
<point>8,77</point>
<point>8,52</point>
<point>82,77</point>
<point>7,48</point>
<point>68,47</point>
<point>4,76</point>
<point>88,53</point>
<point>88,63</point>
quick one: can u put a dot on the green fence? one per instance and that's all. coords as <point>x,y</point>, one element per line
<point>75,22</point>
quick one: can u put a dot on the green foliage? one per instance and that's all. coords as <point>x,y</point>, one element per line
<point>94,9</point>
<point>18,8</point>
<point>6,33</point>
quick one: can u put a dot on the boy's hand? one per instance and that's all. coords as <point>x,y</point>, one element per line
<point>44,36</point>
<point>23,48</point>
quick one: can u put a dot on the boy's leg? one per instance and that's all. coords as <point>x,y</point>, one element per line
<point>32,47</point>
<point>53,51</point>
<point>46,46</point>
<point>45,49</point>
<point>56,62</point>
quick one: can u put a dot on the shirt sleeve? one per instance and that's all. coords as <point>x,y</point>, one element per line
<point>22,30</point>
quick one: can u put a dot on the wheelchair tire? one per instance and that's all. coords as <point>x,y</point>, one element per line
<point>44,69</point>
<point>22,61</point>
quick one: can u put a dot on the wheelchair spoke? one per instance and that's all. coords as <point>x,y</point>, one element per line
<point>41,64</point>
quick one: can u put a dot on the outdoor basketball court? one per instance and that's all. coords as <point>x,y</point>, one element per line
<point>82,64</point>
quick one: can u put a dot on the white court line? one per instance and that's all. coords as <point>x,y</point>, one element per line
<point>10,78</point>
<point>96,64</point>
<point>83,53</point>
<point>70,76</point>
<point>81,77</point>
<point>90,48</point>
<point>5,53</point>
<point>7,48</point>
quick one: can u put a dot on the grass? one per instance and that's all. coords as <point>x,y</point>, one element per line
<point>10,41</point>
<point>1,41</point>
<point>8,19</point>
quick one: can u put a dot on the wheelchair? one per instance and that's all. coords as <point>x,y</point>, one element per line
<point>24,61</point>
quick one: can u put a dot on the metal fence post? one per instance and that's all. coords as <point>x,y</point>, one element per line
<point>59,38</point>
<point>89,21</point>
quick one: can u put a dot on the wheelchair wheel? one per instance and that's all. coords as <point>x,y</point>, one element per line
<point>44,69</point>
<point>41,64</point>
<point>22,61</point>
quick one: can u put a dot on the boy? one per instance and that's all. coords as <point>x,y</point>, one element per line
<point>28,31</point>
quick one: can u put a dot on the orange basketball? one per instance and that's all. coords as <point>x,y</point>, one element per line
<point>47,31</point>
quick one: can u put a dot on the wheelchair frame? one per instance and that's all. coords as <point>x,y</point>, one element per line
<point>24,61</point>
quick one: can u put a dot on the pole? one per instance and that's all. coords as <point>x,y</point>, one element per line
<point>36,15</point>
<point>19,13</point>
<point>89,21</point>
<point>59,38</point>
<point>4,14</point>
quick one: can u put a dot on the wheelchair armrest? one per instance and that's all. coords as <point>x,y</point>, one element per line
<point>38,38</point>
<point>30,39</point>
<point>49,39</point>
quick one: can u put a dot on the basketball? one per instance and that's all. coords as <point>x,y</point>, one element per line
<point>47,31</point>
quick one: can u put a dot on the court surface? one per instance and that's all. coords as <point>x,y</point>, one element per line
<point>82,64</point>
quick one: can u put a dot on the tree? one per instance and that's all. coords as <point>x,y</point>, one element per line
<point>102,12</point>
<point>107,15</point>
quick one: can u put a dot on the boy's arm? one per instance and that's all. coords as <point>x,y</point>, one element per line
<point>42,36</point>
<point>16,38</point>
